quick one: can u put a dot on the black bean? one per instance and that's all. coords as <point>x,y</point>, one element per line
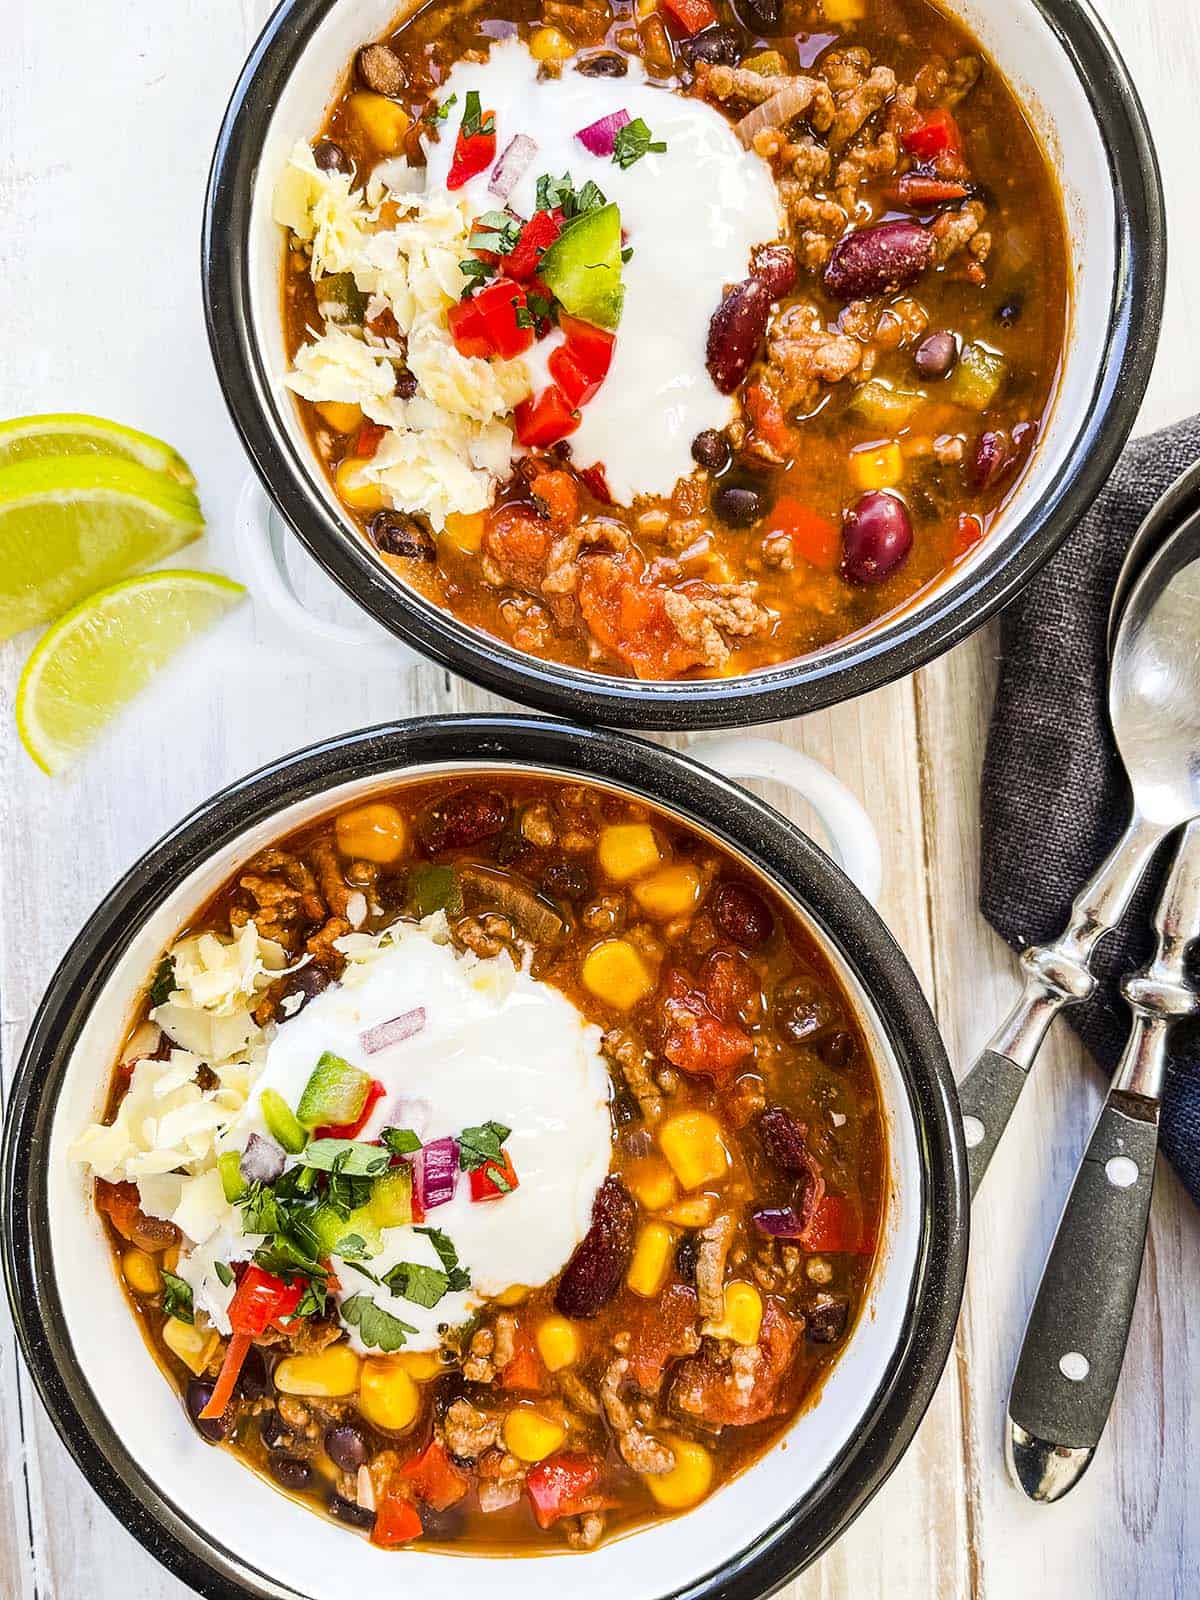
<point>604,64</point>
<point>760,16</point>
<point>253,1380</point>
<point>805,1010</point>
<point>625,1109</point>
<point>936,356</point>
<point>350,1511</point>
<point>566,880</point>
<point>346,1447</point>
<point>381,70</point>
<point>399,535</point>
<point>307,983</point>
<point>687,1256</point>
<point>406,385</point>
<point>274,1432</point>
<point>719,46</point>
<point>331,157</point>
<point>290,1472</point>
<point>737,505</point>
<point>1008,313</point>
<point>837,1050</point>
<point>214,1429</point>
<point>827,1319</point>
<point>711,449</point>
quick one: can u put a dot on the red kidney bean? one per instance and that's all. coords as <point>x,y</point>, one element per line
<point>596,1270</point>
<point>876,537</point>
<point>774,265</point>
<point>465,818</point>
<point>742,915</point>
<point>937,355</point>
<point>736,331</point>
<point>878,260</point>
<point>785,1139</point>
<point>992,459</point>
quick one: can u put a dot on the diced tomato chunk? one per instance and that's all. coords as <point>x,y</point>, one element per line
<point>713,1392</point>
<point>770,423</point>
<point>557,492</point>
<point>575,384</point>
<point>934,134</point>
<point>396,1522</point>
<point>351,1130</point>
<point>697,1041</point>
<point>565,1485</point>
<point>967,535</point>
<point>691,15</point>
<point>836,1228</point>
<point>505,317</point>
<point>628,615</point>
<point>472,151</point>
<point>484,1184</point>
<point>546,420</point>
<point>535,238</point>
<point>919,191</point>
<point>590,347</point>
<point>368,438</point>
<point>121,1203</point>
<point>524,1370</point>
<point>814,537</point>
<point>729,983</point>
<point>434,1477</point>
<point>597,482</point>
<point>660,1331</point>
<point>470,336</point>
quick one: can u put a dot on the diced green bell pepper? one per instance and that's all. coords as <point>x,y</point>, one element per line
<point>582,268</point>
<point>281,1122</point>
<point>340,291</point>
<point>334,1095</point>
<point>430,888</point>
<point>977,378</point>
<point>232,1182</point>
<point>885,407</point>
<point>391,1198</point>
<point>332,1230</point>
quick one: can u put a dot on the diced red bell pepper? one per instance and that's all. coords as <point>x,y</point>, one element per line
<point>919,191</point>
<point>546,420</point>
<point>835,1228</point>
<point>814,537</point>
<point>434,1477</point>
<point>351,1130</point>
<point>235,1356</point>
<point>524,1369</point>
<point>483,1180</point>
<point>502,309</point>
<point>472,152</point>
<point>597,482</point>
<point>470,336</point>
<point>260,1300</point>
<point>591,347</point>
<point>691,15</point>
<point>966,536</point>
<point>535,238</point>
<point>396,1522</point>
<point>936,133</point>
<point>575,384</point>
<point>368,438</point>
<point>564,1485</point>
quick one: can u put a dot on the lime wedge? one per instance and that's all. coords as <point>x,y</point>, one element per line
<point>94,660</point>
<point>74,434</point>
<point>70,524</point>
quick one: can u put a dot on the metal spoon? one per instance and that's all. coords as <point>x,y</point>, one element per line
<point>1154,707</point>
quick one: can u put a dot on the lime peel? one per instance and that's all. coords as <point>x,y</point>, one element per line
<point>75,433</point>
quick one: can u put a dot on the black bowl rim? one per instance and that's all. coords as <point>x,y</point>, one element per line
<point>792,688</point>
<point>748,826</point>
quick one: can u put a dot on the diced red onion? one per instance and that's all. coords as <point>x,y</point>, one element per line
<point>600,138</point>
<point>394,1031</point>
<point>512,165</point>
<point>262,1160</point>
<point>779,1222</point>
<point>435,1172</point>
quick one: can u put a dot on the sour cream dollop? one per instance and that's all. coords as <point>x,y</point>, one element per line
<point>691,215</point>
<point>497,1044</point>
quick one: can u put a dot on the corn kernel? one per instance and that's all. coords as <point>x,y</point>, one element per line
<point>141,1272</point>
<point>194,1346</point>
<point>670,892</point>
<point>651,1257</point>
<point>652,1182</point>
<point>689,1479</point>
<point>692,1143</point>
<point>741,1319</point>
<point>341,415</point>
<point>627,849</point>
<point>558,1343</point>
<point>387,1395</point>
<point>376,832</point>
<point>616,974</point>
<point>382,120</point>
<point>877,466</point>
<point>422,1365</point>
<point>548,44</point>
<point>465,531</point>
<point>352,492</point>
<point>646,8</point>
<point>530,1436</point>
<point>844,10</point>
<point>512,1296</point>
<point>697,1211</point>
<point>326,1376</point>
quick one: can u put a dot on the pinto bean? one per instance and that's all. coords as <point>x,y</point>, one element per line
<point>878,260</point>
<point>596,1270</point>
<point>876,538</point>
<point>399,535</point>
<point>737,329</point>
<point>381,69</point>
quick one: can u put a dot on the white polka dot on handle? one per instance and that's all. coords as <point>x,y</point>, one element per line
<point>973,1131</point>
<point>1121,1171</point>
<point>1074,1366</point>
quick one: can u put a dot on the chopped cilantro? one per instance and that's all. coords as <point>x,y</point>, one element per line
<point>439,113</point>
<point>524,317</point>
<point>477,1145</point>
<point>400,1141</point>
<point>311,1302</point>
<point>163,984</point>
<point>473,120</point>
<point>559,194</point>
<point>476,273</point>
<point>497,231</point>
<point>223,1272</point>
<point>633,141</point>
<point>458,1276</point>
<point>346,1157</point>
<point>424,1286</point>
<point>541,308</point>
<point>379,1328</point>
<point>177,1297</point>
<point>627,253</point>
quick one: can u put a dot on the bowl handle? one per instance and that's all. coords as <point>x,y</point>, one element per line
<point>855,844</point>
<point>261,533</point>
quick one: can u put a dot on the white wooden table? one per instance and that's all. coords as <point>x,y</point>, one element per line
<point>108,112</point>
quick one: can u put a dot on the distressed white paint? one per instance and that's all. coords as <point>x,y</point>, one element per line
<point>107,117</point>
